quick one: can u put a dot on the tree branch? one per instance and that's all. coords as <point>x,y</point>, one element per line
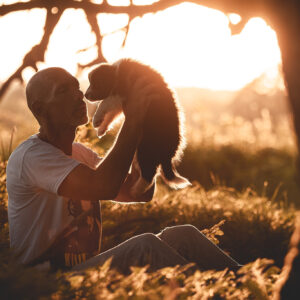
<point>19,6</point>
<point>37,53</point>
<point>92,19</point>
<point>126,28</point>
<point>242,7</point>
<point>237,28</point>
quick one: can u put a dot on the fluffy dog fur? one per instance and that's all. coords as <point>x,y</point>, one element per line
<point>163,141</point>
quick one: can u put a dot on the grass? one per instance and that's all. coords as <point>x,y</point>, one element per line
<point>268,171</point>
<point>253,229</point>
<point>243,197</point>
<point>249,220</point>
<point>7,148</point>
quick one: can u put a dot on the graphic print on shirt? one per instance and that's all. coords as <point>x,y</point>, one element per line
<point>82,240</point>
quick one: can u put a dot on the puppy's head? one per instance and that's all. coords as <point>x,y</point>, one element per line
<point>102,80</point>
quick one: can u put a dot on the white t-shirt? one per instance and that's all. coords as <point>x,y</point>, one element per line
<point>36,213</point>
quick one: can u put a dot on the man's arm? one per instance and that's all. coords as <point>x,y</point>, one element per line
<point>105,182</point>
<point>125,194</point>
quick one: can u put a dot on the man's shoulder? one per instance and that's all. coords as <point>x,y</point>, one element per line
<point>31,147</point>
<point>32,142</point>
<point>15,161</point>
<point>21,149</point>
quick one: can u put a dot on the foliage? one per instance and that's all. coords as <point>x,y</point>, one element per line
<point>240,199</point>
<point>6,148</point>
<point>251,222</point>
<point>252,228</point>
<point>252,281</point>
<point>233,145</point>
<point>3,208</point>
<point>269,171</point>
<point>19,282</point>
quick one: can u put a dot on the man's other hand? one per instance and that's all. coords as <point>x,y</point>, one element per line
<point>125,195</point>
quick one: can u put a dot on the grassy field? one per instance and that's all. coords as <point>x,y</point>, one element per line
<point>244,197</point>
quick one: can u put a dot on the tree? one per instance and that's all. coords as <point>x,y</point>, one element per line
<point>282,16</point>
<point>287,286</point>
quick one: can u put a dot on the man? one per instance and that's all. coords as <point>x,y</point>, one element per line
<point>54,187</point>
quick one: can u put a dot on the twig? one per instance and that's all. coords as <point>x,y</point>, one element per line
<point>127,29</point>
<point>92,19</point>
<point>37,53</point>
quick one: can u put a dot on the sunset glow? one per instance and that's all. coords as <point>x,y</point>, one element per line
<point>189,44</point>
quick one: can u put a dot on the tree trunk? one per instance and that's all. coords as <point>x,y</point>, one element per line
<point>287,287</point>
<point>287,28</point>
<point>289,42</point>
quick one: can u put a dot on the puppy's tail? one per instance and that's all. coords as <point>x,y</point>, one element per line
<point>172,178</point>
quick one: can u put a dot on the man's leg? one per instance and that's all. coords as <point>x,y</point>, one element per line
<point>141,250</point>
<point>191,244</point>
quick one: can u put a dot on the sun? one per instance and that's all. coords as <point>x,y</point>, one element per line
<point>193,46</point>
<point>189,44</point>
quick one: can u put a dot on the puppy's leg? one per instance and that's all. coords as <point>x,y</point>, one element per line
<point>107,111</point>
<point>141,185</point>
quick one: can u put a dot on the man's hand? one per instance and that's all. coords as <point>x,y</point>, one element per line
<point>125,194</point>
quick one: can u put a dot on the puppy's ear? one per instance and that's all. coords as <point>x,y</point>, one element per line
<point>102,80</point>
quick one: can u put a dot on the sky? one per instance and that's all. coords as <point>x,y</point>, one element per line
<point>190,45</point>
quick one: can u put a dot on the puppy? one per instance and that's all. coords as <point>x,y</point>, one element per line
<point>162,141</point>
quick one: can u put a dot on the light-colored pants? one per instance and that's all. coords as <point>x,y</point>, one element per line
<point>178,245</point>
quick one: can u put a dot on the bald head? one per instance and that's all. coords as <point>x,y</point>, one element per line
<point>55,99</point>
<point>40,85</point>
<point>39,90</point>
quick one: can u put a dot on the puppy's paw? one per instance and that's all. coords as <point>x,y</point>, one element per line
<point>97,122</point>
<point>98,118</point>
<point>101,130</point>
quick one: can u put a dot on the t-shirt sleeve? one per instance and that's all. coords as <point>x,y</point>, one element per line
<point>46,167</point>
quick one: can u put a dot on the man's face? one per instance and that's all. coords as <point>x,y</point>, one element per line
<point>65,105</point>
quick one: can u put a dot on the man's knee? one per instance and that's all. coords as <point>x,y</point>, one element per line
<point>186,230</point>
<point>147,239</point>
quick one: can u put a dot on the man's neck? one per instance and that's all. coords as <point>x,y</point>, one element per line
<point>62,138</point>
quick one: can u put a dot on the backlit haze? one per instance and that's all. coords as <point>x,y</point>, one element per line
<point>189,44</point>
